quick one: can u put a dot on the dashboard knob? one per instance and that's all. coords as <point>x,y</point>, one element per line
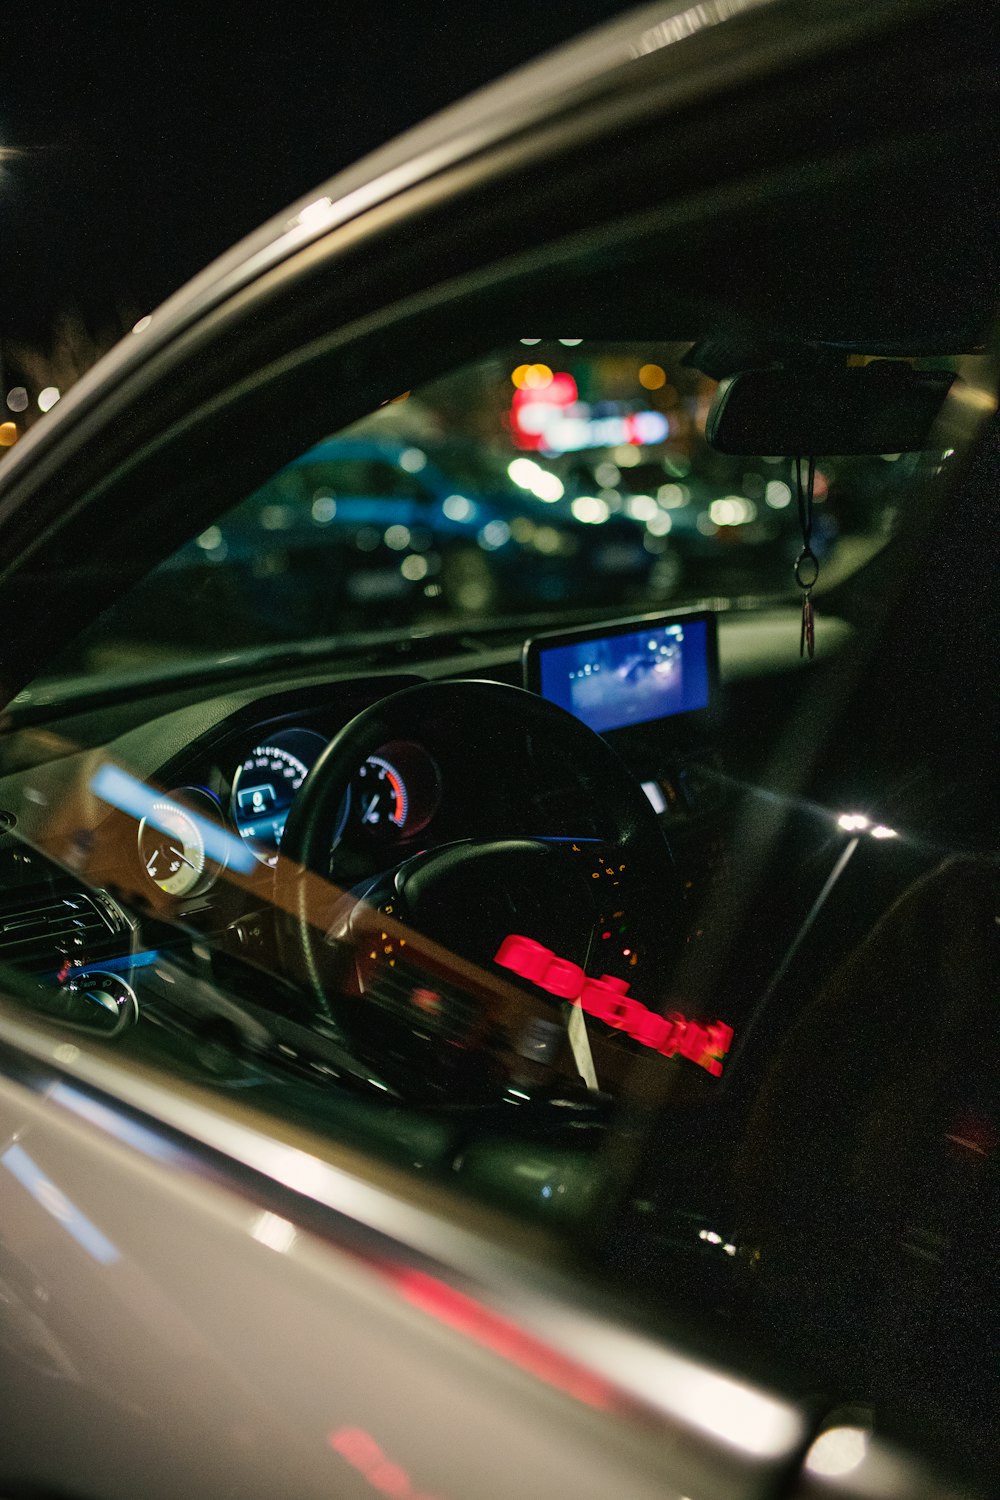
<point>94,1000</point>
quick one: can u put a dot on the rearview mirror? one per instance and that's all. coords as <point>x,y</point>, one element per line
<point>882,407</point>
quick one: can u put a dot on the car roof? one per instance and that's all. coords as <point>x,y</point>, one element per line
<point>572,76</point>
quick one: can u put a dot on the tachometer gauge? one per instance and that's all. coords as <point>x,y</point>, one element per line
<point>395,791</point>
<point>265,785</point>
<point>172,849</point>
<point>381,793</point>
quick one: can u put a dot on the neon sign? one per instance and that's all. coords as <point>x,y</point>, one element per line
<point>607,1000</point>
<point>549,417</point>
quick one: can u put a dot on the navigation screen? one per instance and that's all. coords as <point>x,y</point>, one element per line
<point>615,680</point>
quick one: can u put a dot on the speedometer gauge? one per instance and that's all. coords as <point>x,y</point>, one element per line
<point>265,785</point>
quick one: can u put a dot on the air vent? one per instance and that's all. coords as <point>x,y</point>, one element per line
<point>40,930</point>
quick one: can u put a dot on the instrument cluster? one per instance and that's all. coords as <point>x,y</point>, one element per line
<point>391,797</point>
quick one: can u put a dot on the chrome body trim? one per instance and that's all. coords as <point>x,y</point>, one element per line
<point>735,1435</point>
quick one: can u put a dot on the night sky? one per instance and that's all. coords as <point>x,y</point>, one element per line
<point>136,144</point>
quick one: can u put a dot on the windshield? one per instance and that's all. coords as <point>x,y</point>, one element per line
<point>554,478</point>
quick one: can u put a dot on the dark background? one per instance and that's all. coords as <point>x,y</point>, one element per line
<point>136,145</point>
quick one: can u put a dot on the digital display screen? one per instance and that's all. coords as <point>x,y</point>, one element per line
<point>620,678</point>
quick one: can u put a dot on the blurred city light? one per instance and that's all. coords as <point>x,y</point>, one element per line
<point>659,523</point>
<point>548,486</point>
<point>853,822</point>
<point>732,510</point>
<point>522,471</point>
<point>8,434</point>
<point>590,510</point>
<point>458,508</point>
<point>540,482</point>
<point>48,398</point>
<point>538,377</point>
<point>652,377</point>
<point>673,495</point>
<point>324,508</point>
<point>17,398</point>
<point>493,535</point>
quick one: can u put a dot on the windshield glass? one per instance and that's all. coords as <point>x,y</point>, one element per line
<point>554,478</point>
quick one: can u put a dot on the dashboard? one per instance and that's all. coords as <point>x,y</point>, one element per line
<point>170,833</point>
<point>409,793</point>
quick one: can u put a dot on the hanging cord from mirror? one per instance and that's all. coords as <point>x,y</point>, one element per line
<point>807,563</point>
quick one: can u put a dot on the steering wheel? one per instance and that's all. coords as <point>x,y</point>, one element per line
<point>595,883</point>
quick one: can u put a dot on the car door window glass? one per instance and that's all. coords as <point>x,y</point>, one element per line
<point>521,973</point>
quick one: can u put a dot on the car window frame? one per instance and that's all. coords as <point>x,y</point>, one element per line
<point>219,364</point>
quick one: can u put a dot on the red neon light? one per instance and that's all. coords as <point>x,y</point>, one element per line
<point>560,391</point>
<point>607,1000</point>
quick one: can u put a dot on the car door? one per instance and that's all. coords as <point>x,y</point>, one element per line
<point>205,1294</point>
